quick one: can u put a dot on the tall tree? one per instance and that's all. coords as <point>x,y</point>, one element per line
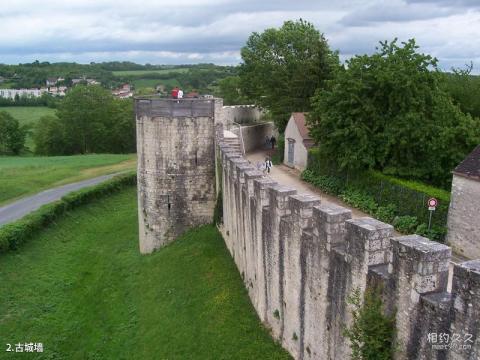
<point>389,111</point>
<point>85,112</point>
<point>283,67</point>
<point>89,120</point>
<point>229,90</point>
<point>464,89</point>
<point>49,136</point>
<point>12,135</point>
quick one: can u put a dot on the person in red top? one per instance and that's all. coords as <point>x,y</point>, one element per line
<point>175,92</point>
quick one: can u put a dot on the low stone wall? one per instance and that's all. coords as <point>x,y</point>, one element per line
<point>254,135</point>
<point>300,258</point>
<point>242,114</point>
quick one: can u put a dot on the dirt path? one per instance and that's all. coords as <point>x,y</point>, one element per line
<point>288,176</point>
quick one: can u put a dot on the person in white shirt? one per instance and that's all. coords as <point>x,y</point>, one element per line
<point>268,165</point>
<point>180,94</point>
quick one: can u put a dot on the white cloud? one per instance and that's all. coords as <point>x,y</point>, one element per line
<point>214,30</point>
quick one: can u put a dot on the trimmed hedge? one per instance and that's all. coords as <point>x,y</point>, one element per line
<point>14,234</point>
<point>396,201</point>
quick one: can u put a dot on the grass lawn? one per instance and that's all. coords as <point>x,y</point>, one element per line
<point>143,72</point>
<point>28,115</point>
<point>152,83</point>
<point>21,176</point>
<point>83,290</point>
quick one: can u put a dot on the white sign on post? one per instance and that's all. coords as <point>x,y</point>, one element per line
<point>432,205</point>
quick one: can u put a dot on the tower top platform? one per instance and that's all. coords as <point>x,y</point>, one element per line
<point>157,106</point>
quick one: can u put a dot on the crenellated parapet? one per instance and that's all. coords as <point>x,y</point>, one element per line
<point>300,258</point>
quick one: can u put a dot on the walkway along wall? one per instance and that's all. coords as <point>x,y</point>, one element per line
<point>300,258</point>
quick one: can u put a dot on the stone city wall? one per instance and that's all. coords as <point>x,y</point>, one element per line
<point>300,258</point>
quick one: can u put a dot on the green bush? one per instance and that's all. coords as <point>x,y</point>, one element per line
<point>372,331</point>
<point>408,197</point>
<point>386,213</point>
<point>405,224</point>
<point>277,157</point>
<point>16,233</point>
<point>435,233</point>
<point>360,200</point>
<point>329,184</point>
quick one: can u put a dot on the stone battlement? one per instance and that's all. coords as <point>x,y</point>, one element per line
<point>156,106</point>
<point>300,258</point>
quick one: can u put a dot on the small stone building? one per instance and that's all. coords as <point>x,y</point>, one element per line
<point>297,142</point>
<point>464,213</point>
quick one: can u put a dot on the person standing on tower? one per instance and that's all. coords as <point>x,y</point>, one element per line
<point>175,92</point>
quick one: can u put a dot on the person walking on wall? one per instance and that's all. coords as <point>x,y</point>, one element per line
<point>268,165</point>
<point>273,141</point>
<point>180,94</point>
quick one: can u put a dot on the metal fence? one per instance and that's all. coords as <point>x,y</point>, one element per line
<point>407,201</point>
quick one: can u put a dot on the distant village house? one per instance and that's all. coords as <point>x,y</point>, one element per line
<point>123,92</point>
<point>13,93</point>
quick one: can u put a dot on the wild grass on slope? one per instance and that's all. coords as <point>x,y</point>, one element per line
<point>84,291</point>
<point>21,176</point>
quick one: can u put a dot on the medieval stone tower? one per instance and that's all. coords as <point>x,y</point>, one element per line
<point>176,166</point>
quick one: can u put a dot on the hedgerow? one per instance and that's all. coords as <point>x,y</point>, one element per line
<point>399,202</point>
<point>14,234</point>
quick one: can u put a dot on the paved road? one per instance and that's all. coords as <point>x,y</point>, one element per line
<point>20,208</point>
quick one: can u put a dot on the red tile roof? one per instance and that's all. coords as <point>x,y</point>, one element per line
<point>300,122</point>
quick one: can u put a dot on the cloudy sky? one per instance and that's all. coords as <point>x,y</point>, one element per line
<point>192,31</point>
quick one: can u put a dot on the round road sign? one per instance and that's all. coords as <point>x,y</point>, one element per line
<point>432,202</point>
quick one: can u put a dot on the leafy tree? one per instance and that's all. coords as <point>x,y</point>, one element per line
<point>229,90</point>
<point>90,120</point>
<point>464,89</point>
<point>389,111</point>
<point>49,136</point>
<point>283,67</point>
<point>85,112</point>
<point>12,135</point>
<point>122,133</point>
<point>372,332</point>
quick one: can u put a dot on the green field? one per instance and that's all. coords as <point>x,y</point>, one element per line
<point>28,115</point>
<point>83,290</point>
<point>143,72</point>
<point>152,83</point>
<point>21,176</point>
